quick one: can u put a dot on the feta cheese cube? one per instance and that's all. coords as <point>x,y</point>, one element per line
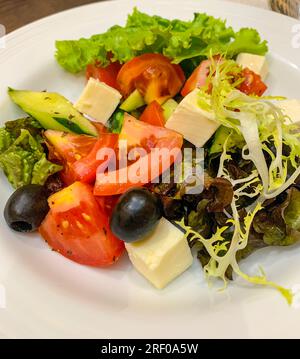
<point>256,63</point>
<point>290,108</point>
<point>196,125</point>
<point>162,256</point>
<point>98,101</point>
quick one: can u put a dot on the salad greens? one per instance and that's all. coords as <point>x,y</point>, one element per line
<point>176,39</point>
<point>266,135</point>
<point>278,222</point>
<point>22,156</point>
<point>261,123</point>
<point>291,213</point>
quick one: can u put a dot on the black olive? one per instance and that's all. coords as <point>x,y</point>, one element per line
<point>135,215</point>
<point>26,208</point>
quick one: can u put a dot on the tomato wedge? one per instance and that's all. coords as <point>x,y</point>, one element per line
<point>156,78</point>
<point>78,153</point>
<point>253,84</point>
<point>153,114</point>
<point>106,74</point>
<point>68,147</point>
<point>85,169</point>
<point>107,203</point>
<point>197,78</point>
<point>100,127</point>
<point>149,165</point>
<point>78,228</point>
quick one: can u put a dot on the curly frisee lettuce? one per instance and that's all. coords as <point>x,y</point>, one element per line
<point>265,131</point>
<point>263,126</point>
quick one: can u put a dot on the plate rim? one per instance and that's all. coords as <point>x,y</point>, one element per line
<point>46,20</point>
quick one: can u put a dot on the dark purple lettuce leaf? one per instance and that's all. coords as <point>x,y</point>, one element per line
<point>279,221</point>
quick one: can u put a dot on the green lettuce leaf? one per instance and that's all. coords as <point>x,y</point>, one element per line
<point>43,169</point>
<point>5,139</point>
<point>28,123</point>
<point>24,160</point>
<point>17,161</point>
<point>247,40</point>
<point>176,39</point>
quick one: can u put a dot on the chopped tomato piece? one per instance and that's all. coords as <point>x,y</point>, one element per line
<point>156,78</point>
<point>85,169</point>
<point>167,145</point>
<point>100,127</point>
<point>197,78</point>
<point>253,84</point>
<point>78,228</point>
<point>141,134</point>
<point>106,74</point>
<point>68,147</point>
<point>78,153</point>
<point>107,203</point>
<point>153,114</point>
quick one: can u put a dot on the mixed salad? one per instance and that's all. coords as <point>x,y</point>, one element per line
<point>88,177</point>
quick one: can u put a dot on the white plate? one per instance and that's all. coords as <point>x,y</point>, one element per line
<point>49,296</point>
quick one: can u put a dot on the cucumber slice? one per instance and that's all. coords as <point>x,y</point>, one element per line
<point>169,107</point>
<point>219,139</point>
<point>133,101</point>
<point>52,111</point>
<point>233,142</point>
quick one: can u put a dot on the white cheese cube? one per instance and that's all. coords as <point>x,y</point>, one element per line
<point>256,63</point>
<point>290,108</point>
<point>162,256</point>
<point>196,125</point>
<point>98,101</point>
